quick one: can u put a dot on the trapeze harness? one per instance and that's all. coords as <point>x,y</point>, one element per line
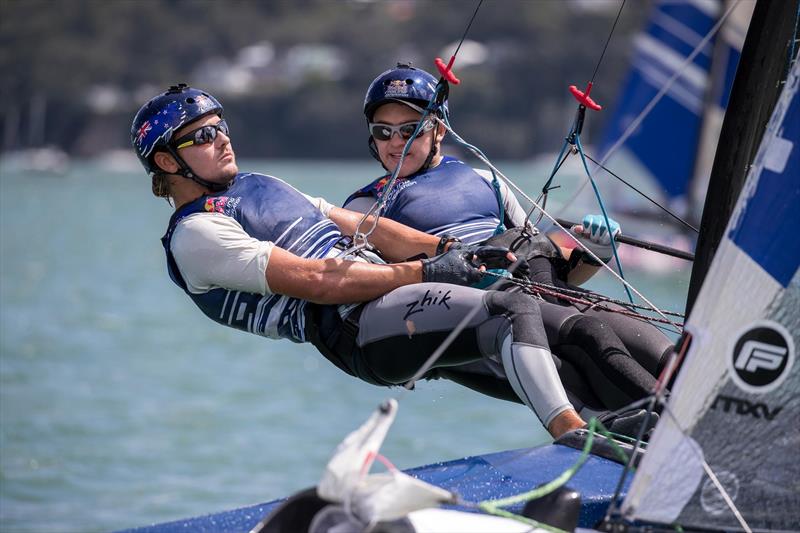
<point>451,198</point>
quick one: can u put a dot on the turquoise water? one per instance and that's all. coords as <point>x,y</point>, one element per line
<point>122,405</point>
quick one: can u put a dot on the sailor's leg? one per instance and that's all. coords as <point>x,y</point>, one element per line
<point>614,376</point>
<point>645,342</point>
<point>398,332</point>
<point>527,360</point>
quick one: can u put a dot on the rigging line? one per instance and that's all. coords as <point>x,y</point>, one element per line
<point>608,40</point>
<point>605,214</point>
<point>533,290</point>
<point>495,185</point>
<point>559,226</point>
<point>466,31</point>
<point>657,398</point>
<point>361,240</point>
<point>641,193</point>
<point>725,496</point>
<point>613,508</point>
<point>594,427</point>
<point>568,233</point>
<point>380,203</point>
<point>585,297</point>
<point>657,98</point>
<point>547,188</point>
<point>590,296</point>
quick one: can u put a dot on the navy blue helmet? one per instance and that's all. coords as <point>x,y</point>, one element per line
<point>403,83</point>
<point>157,121</point>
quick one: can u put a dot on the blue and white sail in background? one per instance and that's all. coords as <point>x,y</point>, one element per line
<point>735,408</point>
<point>675,143</point>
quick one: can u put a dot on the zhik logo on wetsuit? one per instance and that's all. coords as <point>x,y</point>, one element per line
<point>427,300</point>
<point>762,357</point>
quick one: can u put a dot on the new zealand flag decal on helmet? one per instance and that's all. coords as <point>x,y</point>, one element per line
<point>763,355</point>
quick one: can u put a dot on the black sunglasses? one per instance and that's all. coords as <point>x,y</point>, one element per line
<point>384,132</point>
<point>203,135</point>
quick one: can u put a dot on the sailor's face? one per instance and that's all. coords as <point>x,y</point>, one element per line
<point>213,161</point>
<point>389,151</point>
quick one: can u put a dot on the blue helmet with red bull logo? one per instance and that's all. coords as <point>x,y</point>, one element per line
<point>403,83</point>
<point>157,121</point>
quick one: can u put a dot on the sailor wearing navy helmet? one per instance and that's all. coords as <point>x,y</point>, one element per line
<point>255,254</point>
<point>406,110</point>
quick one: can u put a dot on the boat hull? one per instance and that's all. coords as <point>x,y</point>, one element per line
<point>475,479</point>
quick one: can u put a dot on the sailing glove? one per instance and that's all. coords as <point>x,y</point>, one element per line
<point>594,227</point>
<point>597,236</point>
<point>461,266</point>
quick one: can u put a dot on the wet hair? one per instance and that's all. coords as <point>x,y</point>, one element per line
<point>159,185</point>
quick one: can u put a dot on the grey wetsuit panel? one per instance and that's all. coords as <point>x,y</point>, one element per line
<point>419,309</point>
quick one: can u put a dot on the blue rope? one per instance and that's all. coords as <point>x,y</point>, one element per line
<point>603,209</point>
<point>557,165</point>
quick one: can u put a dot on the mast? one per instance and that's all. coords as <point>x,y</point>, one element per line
<point>753,96</point>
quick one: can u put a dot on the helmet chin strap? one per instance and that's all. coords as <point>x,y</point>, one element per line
<point>187,172</point>
<point>433,151</point>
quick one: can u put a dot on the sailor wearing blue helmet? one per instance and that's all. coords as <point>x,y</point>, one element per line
<point>443,196</point>
<point>255,254</point>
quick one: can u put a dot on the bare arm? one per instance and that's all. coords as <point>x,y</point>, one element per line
<point>335,281</point>
<point>395,241</point>
<point>582,271</point>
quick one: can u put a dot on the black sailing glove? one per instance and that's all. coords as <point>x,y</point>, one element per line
<point>460,266</point>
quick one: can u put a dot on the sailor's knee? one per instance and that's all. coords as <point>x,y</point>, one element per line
<point>507,303</point>
<point>522,313</point>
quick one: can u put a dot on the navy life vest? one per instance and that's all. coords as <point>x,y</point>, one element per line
<point>450,198</point>
<point>269,210</point>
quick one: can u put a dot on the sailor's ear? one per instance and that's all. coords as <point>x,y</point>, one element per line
<point>441,131</point>
<point>166,162</point>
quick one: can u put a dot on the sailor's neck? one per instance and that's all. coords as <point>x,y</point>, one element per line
<point>186,193</point>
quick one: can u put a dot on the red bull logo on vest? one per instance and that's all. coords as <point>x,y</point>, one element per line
<point>221,204</point>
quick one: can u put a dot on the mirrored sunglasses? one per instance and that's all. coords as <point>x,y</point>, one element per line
<point>384,132</point>
<point>202,135</point>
